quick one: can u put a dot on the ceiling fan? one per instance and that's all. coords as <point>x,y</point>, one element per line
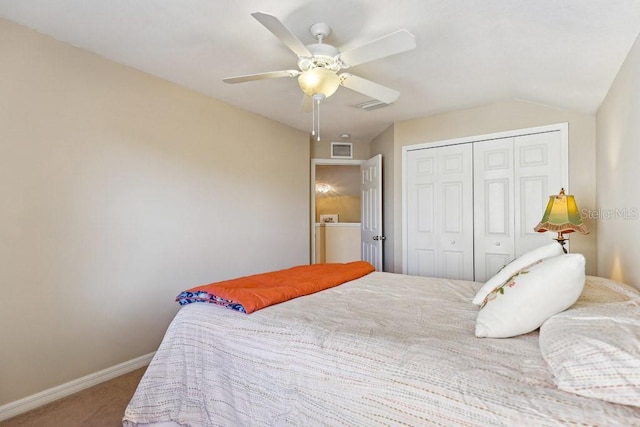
<point>319,63</point>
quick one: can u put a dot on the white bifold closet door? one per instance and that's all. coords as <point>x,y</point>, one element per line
<point>513,179</point>
<point>440,212</point>
<point>472,207</point>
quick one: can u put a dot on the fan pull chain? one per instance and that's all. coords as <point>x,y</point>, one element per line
<point>315,101</point>
<point>313,117</point>
<point>318,133</point>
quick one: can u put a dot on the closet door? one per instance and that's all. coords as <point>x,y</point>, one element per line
<point>440,212</point>
<point>538,174</point>
<point>513,179</point>
<point>494,222</point>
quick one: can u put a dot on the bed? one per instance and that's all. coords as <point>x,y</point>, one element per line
<point>383,349</point>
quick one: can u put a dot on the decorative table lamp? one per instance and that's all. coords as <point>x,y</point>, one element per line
<point>562,216</point>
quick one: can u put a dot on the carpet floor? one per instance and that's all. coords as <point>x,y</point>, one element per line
<point>102,405</point>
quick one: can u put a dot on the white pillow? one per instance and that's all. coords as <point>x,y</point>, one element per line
<point>546,251</point>
<point>594,351</point>
<point>531,295</point>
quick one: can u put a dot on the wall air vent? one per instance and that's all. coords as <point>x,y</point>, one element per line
<point>372,105</point>
<point>341,150</point>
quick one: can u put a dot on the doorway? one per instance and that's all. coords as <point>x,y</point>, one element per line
<point>363,177</point>
<point>335,209</point>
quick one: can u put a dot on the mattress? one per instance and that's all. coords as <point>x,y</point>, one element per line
<point>385,349</point>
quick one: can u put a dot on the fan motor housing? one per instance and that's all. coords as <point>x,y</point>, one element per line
<point>324,55</point>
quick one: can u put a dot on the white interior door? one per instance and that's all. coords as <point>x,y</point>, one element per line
<point>494,219</point>
<point>539,172</point>
<point>512,175</point>
<point>372,238</point>
<point>422,205</point>
<point>440,212</point>
<point>513,178</point>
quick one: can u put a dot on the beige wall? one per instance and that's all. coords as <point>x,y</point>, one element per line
<point>347,207</point>
<point>118,191</point>
<point>344,196</point>
<point>618,189</point>
<point>499,117</point>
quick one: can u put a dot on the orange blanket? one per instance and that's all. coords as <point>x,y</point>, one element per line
<point>251,293</point>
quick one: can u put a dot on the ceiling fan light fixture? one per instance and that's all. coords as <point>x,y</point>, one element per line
<point>319,81</point>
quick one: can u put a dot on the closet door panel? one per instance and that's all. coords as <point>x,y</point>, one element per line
<point>425,235</point>
<point>440,212</point>
<point>425,202</point>
<point>424,262</point>
<point>452,206</point>
<point>497,206</point>
<point>453,265</point>
<point>493,206</point>
<point>452,235</point>
<point>421,213</point>
<point>456,211</point>
<point>534,195</point>
<point>538,174</point>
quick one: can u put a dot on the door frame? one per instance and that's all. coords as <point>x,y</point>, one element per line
<point>563,128</point>
<point>322,162</point>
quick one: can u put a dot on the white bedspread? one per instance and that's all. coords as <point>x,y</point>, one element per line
<point>386,349</point>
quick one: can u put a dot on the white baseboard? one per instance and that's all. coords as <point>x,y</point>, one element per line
<point>47,396</point>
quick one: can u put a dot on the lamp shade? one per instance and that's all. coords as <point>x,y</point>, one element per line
<point>562,215</point>
<point>319,81</point>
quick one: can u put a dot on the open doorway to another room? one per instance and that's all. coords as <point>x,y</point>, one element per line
<point>336,211</point>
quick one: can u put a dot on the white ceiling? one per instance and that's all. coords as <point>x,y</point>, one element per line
<point>561,53</point>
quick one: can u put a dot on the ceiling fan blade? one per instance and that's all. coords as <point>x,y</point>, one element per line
<point>262,76</point>
<point>369,88</point>
<point>391,44</point>
<point>274,25</point>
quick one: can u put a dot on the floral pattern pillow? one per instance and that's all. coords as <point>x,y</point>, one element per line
<point>528,297</point>
<point>523,261</point>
